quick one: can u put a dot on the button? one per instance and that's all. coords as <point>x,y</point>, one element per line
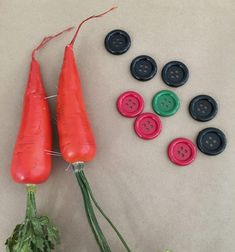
<point>203,108</point>
<point>165,103</point>
<point>175,74</point>
<point>211,141</point>
<point>143,68</point>
<point>130,104</point>
<point>182,151</point>
<point>117,42</point>
<point>147,126</point>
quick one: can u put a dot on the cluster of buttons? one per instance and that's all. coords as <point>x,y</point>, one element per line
<point>181,151</point>
<point>147,125</point>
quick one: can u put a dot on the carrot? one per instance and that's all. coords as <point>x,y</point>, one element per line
<point>31,162</point>
<point>76,139</point>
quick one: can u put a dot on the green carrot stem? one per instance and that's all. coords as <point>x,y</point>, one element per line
<point>99,236</point>
<point>102,212</point>
<point>31,210</point>
<point>88,197</point>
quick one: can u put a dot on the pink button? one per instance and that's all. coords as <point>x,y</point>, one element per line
<point>130,104</point>
<point>182,151</point>
<point>148,126</point>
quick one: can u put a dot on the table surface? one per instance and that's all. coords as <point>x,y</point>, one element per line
<point>155,204</point>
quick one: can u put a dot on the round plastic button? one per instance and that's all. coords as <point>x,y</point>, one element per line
<point>182,151</point>
<point>130,104</point>
<point>165,103</point>
<point>143,68</point>
<point>211,141</point>
<point>203,108</point>
<point>117,42</point>
<point>147,126</point>
<point>175,74</point>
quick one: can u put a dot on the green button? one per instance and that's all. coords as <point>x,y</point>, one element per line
<point>165,103</point>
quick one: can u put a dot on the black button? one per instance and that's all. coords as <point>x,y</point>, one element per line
<point>117,42</point>
<point>211,141</point>
<point>143,68</point>
<point>175,74</point>
<point>203,108</point>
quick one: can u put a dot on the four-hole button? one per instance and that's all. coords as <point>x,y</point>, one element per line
<point>175,74</point>
<point>165,103</point>
<point>182,151</point>
<point>117,42</point>
<point>147,126</point>
<point>143,68</point>
<point>211,141</point>
<point>203,108</point>
<point>130,104</point>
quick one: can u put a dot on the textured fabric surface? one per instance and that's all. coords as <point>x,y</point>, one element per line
<point>155,204</point>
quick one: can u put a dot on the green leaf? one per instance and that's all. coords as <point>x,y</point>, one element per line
<point>37,226</point>
<point>36,234</point>
<point>39,243</point>
<point>26,248</point>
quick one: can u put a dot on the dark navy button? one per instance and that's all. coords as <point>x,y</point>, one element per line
<point>175,74</point>
<point>211,141</point>
<point>143,68</point>
<point>203,108</point>
<point>117,42</point>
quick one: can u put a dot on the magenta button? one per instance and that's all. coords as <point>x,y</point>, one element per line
<point>182,151</point>
<point>148,126</point>
<point>130,104</point>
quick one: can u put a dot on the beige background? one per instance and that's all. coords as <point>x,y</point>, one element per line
<point>155,204</point>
